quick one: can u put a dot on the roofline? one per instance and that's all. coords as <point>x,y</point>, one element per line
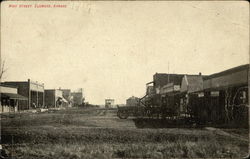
<point>168,74</point>
<point>15,82</point>
<point>197,75</point>
<point>149,82</point>
<point>225,72</point>
<point>180,74</point>
<point>2,84</point>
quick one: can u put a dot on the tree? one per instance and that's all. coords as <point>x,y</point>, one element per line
<point>2,69</point>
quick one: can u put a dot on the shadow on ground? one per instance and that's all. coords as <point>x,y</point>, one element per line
<point>164,123</point>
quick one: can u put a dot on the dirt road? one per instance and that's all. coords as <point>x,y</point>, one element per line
<point>98,133</point>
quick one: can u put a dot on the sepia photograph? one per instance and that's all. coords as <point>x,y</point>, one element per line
<point>124,79</point>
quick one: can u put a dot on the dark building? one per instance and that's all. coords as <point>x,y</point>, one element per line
<point>163,82</point>
<point>54,98</point>
<point>237,76</point>
<point>224,98</point>
<point>33,91</point>
<point>132,101</point>
<point>189,85</point>
<point>78,99</point>
<point>161,79</point>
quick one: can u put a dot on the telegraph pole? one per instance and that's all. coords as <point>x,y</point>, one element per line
<point>168,71</point>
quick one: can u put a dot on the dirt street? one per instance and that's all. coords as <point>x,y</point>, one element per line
<point>98,133</point>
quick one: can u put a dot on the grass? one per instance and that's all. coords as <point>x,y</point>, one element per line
<point>98,133</point>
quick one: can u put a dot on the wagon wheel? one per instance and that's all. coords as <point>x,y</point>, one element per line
<point>122,114</point>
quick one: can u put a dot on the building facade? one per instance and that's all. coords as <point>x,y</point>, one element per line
<point>224,98</point>
<point>78,99</point>
<point>54,98</point>
<point>189,85</point>
<point>10,99</point>
<point>109,103</point>
<point>33,91</point>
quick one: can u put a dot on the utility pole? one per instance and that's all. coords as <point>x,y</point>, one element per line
<point>37,98</point>
<point>168,71</point>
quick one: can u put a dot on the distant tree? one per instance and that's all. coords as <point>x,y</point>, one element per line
<point>2,69</point>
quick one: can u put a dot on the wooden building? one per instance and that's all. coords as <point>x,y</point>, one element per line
<point>78,99</point>
<point>165,85</point>
<point>54,98</point>
<point>224,98</point>
<point>109,103</point>
<point>162,79</point>
<point>33,91</point>
<point>10,99</point>
<point>189,85</point>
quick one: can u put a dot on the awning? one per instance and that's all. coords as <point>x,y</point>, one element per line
<point>13,96</point>
<point>64,100</point>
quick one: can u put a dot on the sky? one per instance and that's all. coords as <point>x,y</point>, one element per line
<point>112,49</point>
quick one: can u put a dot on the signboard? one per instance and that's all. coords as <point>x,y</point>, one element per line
<point>170,88</point>
<point>215,93</point>
<point>157,90</point>
<point>5,89</point>
<point>200,94</point>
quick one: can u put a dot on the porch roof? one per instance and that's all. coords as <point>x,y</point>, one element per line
<point>14,96</point>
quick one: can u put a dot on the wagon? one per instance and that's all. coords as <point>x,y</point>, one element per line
<point>125,111</point>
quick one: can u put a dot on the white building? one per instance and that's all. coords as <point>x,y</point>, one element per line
<point>109,103</point>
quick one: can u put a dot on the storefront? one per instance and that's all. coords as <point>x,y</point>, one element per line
<point>10,99</point>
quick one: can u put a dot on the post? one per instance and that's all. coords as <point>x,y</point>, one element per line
<point>37,94</point>
<point>55,98</point>
<point>168,72</point>
<point>43,96</point>
<point>29,100</point>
